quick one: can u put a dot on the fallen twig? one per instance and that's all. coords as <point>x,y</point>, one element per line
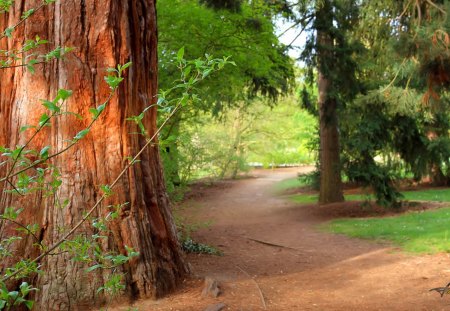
<point>261,295</point>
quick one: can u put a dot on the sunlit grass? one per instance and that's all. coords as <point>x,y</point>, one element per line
<point>420,232</point>
<point>435,195</point>
<point>290,183</point>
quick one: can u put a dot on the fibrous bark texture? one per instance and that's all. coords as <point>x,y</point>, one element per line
<point>104,33</point>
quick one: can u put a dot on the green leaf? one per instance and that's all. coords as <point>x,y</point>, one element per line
<point>125,66</point>
<point>29,304</point>
<point>24,288</point>
<point>11,214</point>
<point>51,106</point>
<point>113,81</point>
<point>180,54</point>
<point>94,267</point>
<point>107,191</point>
<point>97,111</point>
<point>44,152</point>
<point>63,94</point>
<point>8,32</point>
<point>81,134</point>
<point>26,127</point>
<point>30,68</point>
<point>65,203</point>
<point>27,14</point>
<point>14,294</point>
<point>93,111</point>
<point>206,73</point>
<point>187,71</point>
<point>43,120</point>
<point>111,70</point>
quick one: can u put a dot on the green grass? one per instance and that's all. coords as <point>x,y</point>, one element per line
<point>419,232</point>
<point>287,184</point>
<point>436,195</point>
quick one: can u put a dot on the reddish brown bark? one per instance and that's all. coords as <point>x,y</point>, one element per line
<point>104,33</point>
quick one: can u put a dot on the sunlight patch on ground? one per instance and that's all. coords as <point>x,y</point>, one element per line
<point>418,232</point>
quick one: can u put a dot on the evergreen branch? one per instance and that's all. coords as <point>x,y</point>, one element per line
<point>395,77</point>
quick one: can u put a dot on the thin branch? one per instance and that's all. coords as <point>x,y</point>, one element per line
<point>97,204</point>
<point>305,20</point>
<point>21,65</point>
<point>437,7</point>
<point>296,37</point>
<point>405,10</point>
<point>263,301</point>
<point>36,163</point>
<point>14,187</point>
<point>24,19</point>
<point>289,28</point>
<point>419,12</point>
<point>23,148</point>
<point>395,77</point>
<point>23,227</point>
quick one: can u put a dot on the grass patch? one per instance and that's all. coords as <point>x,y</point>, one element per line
<point>418,232</point>
<point>435,195</point>
<point>313,198</point>
<point>304,198</point>
<point>288,184</point>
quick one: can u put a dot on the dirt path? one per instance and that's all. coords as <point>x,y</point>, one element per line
<point>314,271</point>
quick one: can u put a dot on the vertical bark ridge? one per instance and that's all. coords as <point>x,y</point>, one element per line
<point>104,33</point>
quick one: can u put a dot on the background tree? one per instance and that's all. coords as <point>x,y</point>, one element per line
<point>104,33</point>
<point>244,31</point>
<point>329,55</point>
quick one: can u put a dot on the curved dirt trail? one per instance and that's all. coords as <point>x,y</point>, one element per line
<point>312,270</point>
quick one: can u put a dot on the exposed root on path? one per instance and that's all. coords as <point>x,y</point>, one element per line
<point>272,244</point>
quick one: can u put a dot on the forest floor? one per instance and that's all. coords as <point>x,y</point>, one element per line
<point>275,254</point>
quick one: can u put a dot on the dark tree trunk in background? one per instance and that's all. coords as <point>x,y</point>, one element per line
<point>103,33</point>
<point>330,169</point>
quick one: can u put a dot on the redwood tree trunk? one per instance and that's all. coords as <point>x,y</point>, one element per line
<point>329,153</point>
<point>103,33</point>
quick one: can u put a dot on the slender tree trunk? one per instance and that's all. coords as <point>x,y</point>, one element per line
<point>103,33</point>
<point>330,169</point>
<point>436,175</point>
<point>233,152</point>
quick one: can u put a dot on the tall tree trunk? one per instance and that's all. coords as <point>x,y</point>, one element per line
<point>104,33</point>
<point>330,169</point>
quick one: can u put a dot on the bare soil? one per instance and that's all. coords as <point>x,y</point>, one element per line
<point>276,255</point>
